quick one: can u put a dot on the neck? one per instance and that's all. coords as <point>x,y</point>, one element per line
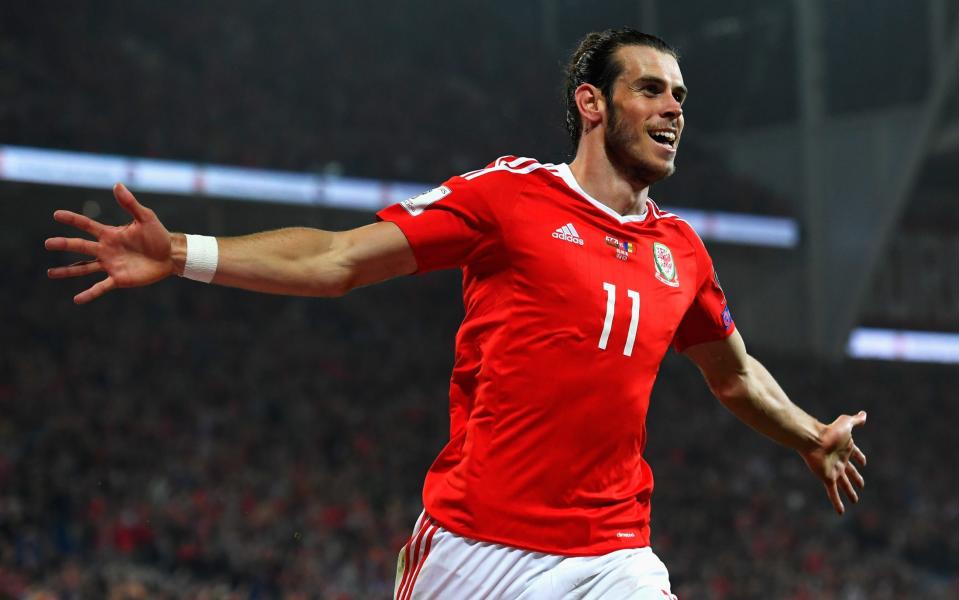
<point>601,180</point>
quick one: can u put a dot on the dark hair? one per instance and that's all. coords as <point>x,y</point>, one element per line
<point>593,63</point>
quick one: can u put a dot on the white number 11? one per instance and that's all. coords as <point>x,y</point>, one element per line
<point>611,310</point>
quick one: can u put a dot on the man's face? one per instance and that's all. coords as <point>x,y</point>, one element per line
<point>645,117</point>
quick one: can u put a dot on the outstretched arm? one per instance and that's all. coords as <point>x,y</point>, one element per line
<point>295,261</point>
<point>748,390</point>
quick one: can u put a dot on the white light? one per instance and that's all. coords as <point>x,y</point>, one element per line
<point>902,345</point>
<point>734,228</point>
<point>257,184</point>
<point>163,176</point>
<point>36,165</point>
<point>62,168</point>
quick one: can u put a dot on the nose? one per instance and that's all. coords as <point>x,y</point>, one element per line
<point>673,109</point>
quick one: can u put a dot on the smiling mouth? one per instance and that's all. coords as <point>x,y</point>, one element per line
<point>664,137</point>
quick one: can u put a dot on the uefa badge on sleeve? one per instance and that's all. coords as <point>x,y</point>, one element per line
<point>417,204</point>
<point>665,265</point>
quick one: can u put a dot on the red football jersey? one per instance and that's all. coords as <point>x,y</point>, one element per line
<point>570,308</point>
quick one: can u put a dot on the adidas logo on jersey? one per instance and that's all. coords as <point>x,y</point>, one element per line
<point>568,232</point>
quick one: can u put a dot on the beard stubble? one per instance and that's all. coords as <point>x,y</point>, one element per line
<point>619,143</point>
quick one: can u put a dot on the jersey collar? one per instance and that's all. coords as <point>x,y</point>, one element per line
<point>566,175</point>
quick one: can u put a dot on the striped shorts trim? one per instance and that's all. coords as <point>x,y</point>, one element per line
<point>413,555</point>
<point>461,567</point>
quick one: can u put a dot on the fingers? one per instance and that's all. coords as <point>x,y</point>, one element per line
<point>78,245</point>
<point>858,456</point>
<point>75,270</point>
<point>129,203</point>
<point>833,492</point>
<point>847,487</point>
<point>79,221</point>
<point>859,419</point>
<point>95,291</point>
<point>853,474</point>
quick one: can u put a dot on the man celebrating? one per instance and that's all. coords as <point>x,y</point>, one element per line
<point>575,284</point>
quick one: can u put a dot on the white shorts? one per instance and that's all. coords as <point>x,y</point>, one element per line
<point>438,564</point>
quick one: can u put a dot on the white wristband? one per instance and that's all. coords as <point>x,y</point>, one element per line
<point>202,254</point>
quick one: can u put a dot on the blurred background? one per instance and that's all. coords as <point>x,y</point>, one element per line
<point>184,441</point>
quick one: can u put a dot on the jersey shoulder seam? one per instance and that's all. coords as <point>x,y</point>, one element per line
<point>515,165</point>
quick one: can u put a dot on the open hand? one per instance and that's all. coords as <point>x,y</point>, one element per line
<point>832,463</point>
<point>132,255</point>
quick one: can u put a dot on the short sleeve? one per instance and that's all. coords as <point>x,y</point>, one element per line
<point>449,226</point>
<point>708,318</point>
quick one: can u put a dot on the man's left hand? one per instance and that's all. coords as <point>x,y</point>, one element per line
<point>832,460</point>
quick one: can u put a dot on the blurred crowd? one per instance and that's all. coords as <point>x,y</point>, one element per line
<point>420,94</point>
<point>736,516</point>
<point>312,87</point>
<point>260,448</point>
<point>186,441</point>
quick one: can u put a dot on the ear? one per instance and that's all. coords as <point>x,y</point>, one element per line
<point>591,104</point>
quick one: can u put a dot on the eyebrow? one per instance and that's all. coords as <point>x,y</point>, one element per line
<point>653,79</point>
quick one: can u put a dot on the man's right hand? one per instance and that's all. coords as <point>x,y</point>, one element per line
<point>132,255</point>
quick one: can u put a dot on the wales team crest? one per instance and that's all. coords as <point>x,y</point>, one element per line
<point>665,265</point>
